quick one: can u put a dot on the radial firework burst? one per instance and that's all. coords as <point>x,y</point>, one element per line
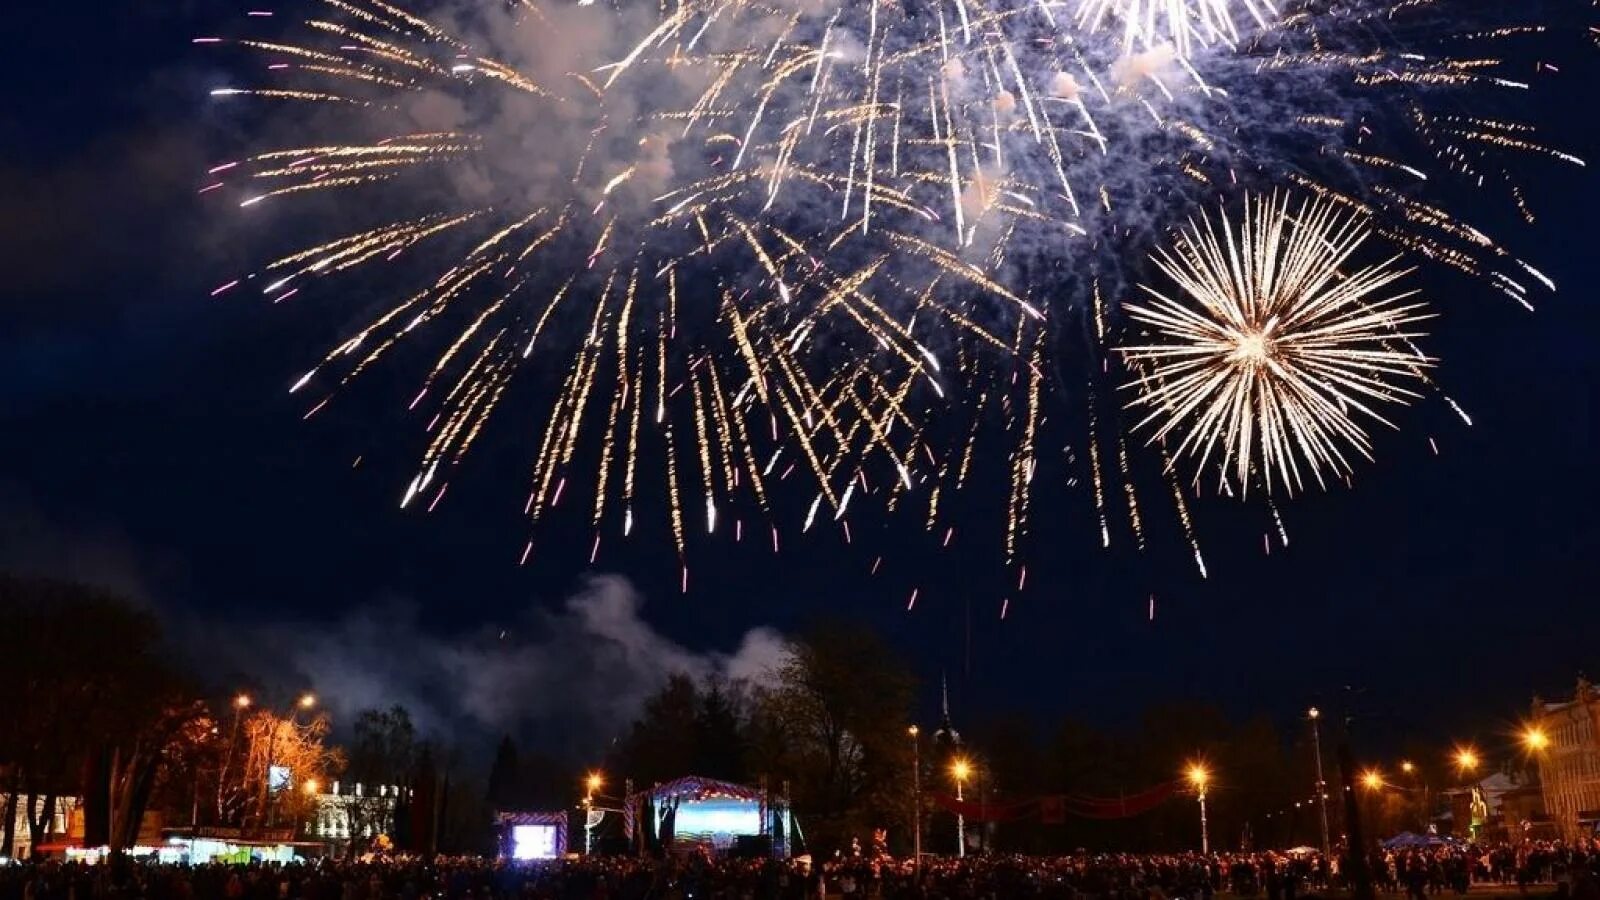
<point>1268,355</point>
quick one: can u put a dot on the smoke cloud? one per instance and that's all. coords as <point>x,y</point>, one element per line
<point>564,679</point>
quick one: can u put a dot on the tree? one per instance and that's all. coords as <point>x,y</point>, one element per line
<point>94,691</point>
<point>662,744</point>
<point>504,791</point>
<point>283,758</point>
<point>381,755</point>
<point>719,733</point>
<point>835,728</point>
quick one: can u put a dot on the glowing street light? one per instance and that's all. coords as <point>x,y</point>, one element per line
<point>1408,767</point>
<point>916,796</point>
<point>960,770</point>
<point>1322,786</point>
<point>1372,780</point>
<point>1467,760</point>
<point>242,701</point>
<point>308,700</point>
<point>591,784</point>
<point>1535,738</point>
<point>1199,777</point>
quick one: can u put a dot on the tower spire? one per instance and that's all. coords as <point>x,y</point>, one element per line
<point>947,733</point>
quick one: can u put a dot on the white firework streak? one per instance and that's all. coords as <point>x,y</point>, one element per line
<point>1268,355</point>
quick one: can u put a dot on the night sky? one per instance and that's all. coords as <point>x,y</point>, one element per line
<point>149,444</point>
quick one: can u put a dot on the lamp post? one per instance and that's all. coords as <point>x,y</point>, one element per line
<point>306,701</point>
<point>311,787</point>
<point>916,797</point>
<point>1419,786</point>
<point>590,784</point>
<point>960,770</point>
<point>1315,715</point>
<point>1467,763</point>
<point>1199,777</point>
<point>1373,783</point>
<point>240,704</point>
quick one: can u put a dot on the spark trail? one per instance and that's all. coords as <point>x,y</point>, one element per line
<point>728,242</point>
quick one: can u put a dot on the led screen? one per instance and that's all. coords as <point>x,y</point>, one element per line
<point>719,817</point>
<point>533,842</point>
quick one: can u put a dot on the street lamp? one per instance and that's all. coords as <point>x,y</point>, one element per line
<point>1419,786</point>
<point>1372,780</point>
<point>1314,715</point>
<point>306,701</point>
<point>1467,760</point>
<point>916,797</point>
<point>591,785</point>
<point>960,770</point>
<point>1535,738</point>
<point>241,703</point>
<point>1199,777</point>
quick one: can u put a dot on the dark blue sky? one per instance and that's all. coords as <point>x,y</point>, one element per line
<point>148,442</point>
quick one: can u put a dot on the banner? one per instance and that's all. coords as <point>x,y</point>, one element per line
<point>1053,809</point>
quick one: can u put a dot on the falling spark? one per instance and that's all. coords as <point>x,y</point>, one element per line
<point>679,234</point>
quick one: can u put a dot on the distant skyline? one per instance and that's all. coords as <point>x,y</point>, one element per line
<point>150,446</point>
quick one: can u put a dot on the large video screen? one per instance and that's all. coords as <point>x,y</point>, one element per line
<point>718,820</point>
<point>533,842</point>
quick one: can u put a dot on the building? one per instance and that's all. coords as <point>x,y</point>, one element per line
<point>1568,753</point>
<point>65,822</point>
<point>356,812</point>
<point>1512,809</point>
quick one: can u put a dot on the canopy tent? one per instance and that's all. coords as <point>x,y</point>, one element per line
<point>1410,840</point>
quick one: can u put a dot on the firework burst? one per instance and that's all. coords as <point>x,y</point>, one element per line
<point>719,243</point>
<point>1269,355</point>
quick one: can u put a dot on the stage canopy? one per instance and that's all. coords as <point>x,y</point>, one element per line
<point>533,835</point>
<point>703,811</point>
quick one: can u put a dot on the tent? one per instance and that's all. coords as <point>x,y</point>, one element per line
<point>1410,840</point>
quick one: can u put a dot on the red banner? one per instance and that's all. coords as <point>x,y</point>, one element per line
<point>1053,809</point>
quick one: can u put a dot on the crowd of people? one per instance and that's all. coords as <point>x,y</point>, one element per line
<point>1556,869</point>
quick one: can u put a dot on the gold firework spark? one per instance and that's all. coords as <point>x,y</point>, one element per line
<point>1269,357</point>
<point>767,239</point>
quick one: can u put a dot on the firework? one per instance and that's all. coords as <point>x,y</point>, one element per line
<point>1268,355</point>
<point>725,242</point>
